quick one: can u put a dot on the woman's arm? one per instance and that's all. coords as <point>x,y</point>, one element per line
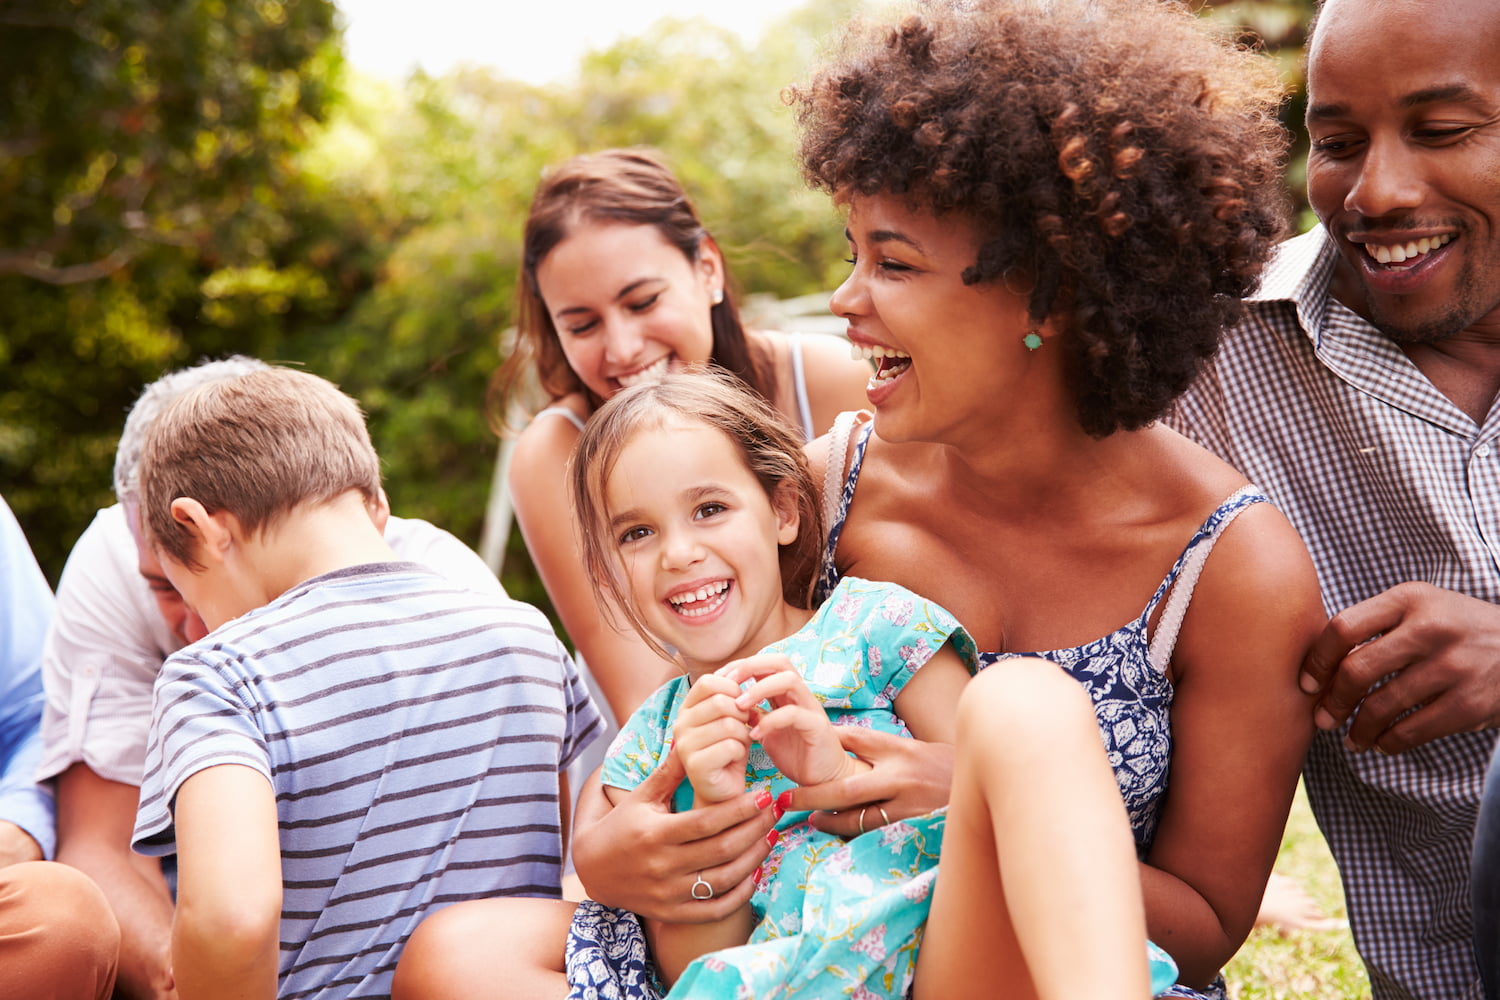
<point>1240,727</point>
<point>907,777</point>
<point>626,668</point>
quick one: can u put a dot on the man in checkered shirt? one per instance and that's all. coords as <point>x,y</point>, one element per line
<point>1359,391</point>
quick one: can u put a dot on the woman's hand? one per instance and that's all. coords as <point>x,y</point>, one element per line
<point>796,731</point>
<point>640,856</point>
<point>712,739</point>
<point>907,778</point>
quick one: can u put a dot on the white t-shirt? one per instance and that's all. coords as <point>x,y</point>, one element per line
<point>108,640</point>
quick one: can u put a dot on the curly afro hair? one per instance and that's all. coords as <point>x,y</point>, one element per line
<point>1119,157</point>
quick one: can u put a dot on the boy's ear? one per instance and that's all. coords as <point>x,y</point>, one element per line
<point>211,532</point>
<point>379,507</point>
<point>788,517</point>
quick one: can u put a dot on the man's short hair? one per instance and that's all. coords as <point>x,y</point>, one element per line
<point>256,445</point>
<point>156,396</point>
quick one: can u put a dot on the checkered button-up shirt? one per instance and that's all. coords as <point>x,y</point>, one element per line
<point>1388,481</point>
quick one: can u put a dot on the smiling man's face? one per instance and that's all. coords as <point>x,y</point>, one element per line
<point>1404,115</point>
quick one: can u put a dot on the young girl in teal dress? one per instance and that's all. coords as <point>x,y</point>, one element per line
<point>700,520</point>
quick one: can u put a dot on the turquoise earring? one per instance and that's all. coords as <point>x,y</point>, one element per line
<point>1032,341</point>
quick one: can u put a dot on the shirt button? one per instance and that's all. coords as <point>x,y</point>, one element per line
<point>1483,451</point>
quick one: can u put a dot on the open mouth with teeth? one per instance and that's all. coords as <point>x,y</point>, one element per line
<point>889,362</point>
<point>706,599</point>
<point>1407,254</point>
<point>654,372</point>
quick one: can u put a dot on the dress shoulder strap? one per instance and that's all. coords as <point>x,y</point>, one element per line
<point>838,485</point>
<point>838,461</point>
<point>799,386</point>
<point>561,411</point>
<point>1185,572</point>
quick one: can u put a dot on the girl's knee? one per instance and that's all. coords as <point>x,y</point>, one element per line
<point>1026,695</point>
<point>521,940</point>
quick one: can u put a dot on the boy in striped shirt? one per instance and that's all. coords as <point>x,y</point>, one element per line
<point>357,742</point>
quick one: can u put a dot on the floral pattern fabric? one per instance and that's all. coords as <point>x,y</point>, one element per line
<point>836,918</point>
<point>606,957</point>
<point>856,654</point>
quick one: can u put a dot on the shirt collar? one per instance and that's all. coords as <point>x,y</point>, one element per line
<point>1299,273</point>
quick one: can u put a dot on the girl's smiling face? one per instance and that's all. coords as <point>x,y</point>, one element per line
<point>697,540</point>
<point>628,305</point>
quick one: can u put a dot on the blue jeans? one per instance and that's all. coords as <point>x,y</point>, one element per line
<point>1485,884</point>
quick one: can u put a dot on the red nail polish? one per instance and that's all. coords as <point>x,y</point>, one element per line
<point>755,878</point>
<point>763,799</point>
<point>784,801</point>
<point>772,837</point>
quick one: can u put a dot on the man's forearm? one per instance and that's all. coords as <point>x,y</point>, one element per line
<point>142,905</point>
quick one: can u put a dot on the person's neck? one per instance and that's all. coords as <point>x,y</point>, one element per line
<point>1039,469</point>
<point>312,540</point>
<point>1464,367</point>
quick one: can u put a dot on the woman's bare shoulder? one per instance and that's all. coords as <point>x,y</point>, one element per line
<point>544,445</point>
<point>1258,596</point>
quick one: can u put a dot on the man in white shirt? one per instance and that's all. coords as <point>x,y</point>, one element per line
<point>116,619</point>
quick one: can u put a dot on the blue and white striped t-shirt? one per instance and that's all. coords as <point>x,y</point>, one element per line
<point>413,732</point>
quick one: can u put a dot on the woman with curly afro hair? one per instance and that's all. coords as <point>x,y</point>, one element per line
<point>1053,209</point>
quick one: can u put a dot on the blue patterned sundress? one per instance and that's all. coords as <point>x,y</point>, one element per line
<point>1132,695</point>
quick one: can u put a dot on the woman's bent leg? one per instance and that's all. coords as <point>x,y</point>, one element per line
<point>488,949</point>
<point>1038,891</point>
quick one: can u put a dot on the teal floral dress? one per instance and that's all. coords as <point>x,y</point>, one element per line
<point>836,917</point>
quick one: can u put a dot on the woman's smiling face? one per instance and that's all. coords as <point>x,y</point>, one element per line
<point>629,305</point>
<point>943,349</point>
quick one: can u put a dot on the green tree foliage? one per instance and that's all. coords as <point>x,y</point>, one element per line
<point>188,178</point>
<point>146,168</point>
<point>1280,28</point>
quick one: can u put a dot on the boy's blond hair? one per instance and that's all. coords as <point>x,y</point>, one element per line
<point>258,446</point>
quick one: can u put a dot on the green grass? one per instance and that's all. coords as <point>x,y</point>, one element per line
<point>1301,964</point>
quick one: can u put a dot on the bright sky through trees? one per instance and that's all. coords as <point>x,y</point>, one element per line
<point>539,41</point>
